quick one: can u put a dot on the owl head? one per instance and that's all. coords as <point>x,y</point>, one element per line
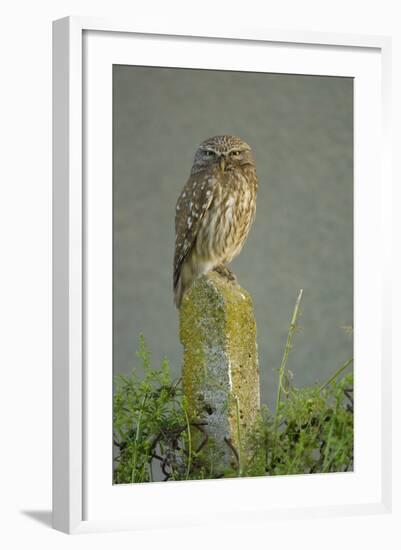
<point>224,152</point>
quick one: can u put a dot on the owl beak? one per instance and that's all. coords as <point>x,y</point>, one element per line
<point>222,163</point>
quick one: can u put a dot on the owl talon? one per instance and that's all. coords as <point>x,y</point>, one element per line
<point>225,272</point>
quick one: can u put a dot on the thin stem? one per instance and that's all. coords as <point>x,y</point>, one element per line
<point>189,443</point>
<point>284,360</point>
<point>138,431</point>
<point>328,444</point>
<point>338,371</point>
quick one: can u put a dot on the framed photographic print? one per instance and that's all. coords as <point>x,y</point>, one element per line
<point>220,322</point>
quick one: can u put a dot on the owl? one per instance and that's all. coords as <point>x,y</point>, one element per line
<point>215,211</point>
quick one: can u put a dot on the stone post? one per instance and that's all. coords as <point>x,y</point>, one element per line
<point>220,371</point>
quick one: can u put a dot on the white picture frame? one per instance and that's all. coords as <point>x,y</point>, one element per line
<point>83,49</point>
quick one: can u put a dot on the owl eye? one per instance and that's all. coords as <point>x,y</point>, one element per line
<point>235,153</point>
<point>209,153</point>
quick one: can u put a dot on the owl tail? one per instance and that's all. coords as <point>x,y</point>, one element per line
<point>178,294</point>
<point>184,282</point>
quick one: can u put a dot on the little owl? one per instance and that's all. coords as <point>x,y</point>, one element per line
<point>215,210</point>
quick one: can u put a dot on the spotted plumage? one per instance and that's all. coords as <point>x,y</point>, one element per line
<point>215,210</point>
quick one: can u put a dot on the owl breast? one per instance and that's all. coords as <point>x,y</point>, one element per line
<point>227,222</point>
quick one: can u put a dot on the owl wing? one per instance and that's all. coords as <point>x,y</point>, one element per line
<point>192,204</point>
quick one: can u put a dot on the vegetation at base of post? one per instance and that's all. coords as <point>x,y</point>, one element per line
<point>311,430</point>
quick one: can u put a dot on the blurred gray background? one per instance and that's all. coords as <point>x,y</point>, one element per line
<point>301,131</point>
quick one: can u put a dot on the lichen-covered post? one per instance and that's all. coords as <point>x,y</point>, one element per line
<point>220,371</point>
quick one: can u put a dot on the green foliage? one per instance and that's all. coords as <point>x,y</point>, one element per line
<point>315,432</point>
<point>148,413</point>
<point>310,431</point>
